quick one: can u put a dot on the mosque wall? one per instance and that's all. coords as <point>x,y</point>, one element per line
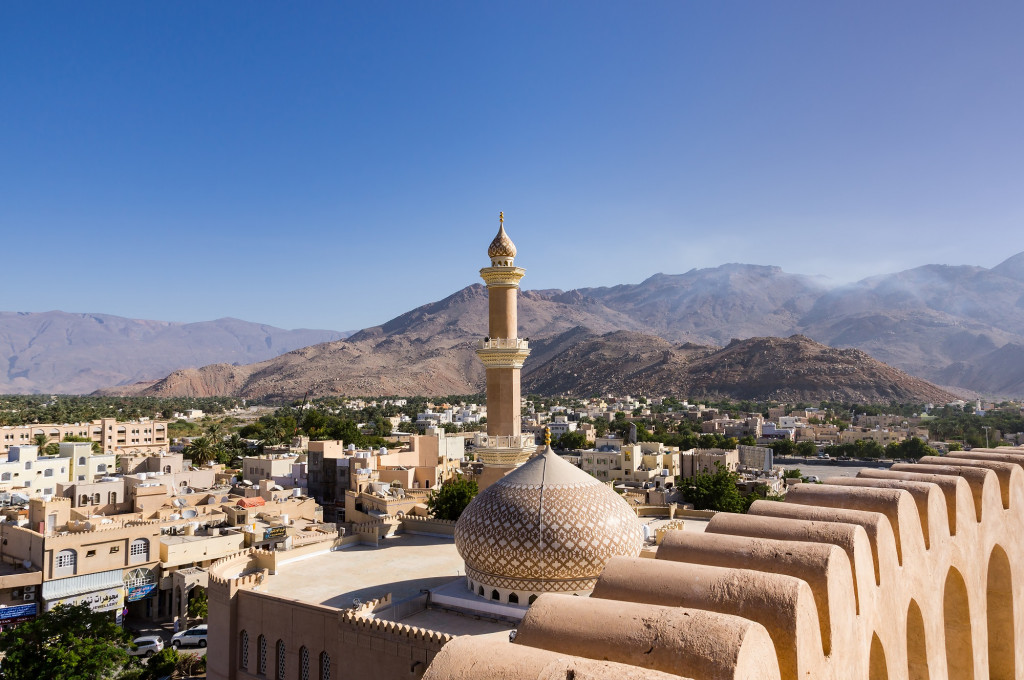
<point>915,572</point>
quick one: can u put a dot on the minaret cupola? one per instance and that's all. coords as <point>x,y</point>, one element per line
<point>502,251</point>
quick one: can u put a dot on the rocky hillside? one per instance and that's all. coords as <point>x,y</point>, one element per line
<point>576,361</point>
<point>785,369</point>
<point>78,353</point>
<point>956,326</point>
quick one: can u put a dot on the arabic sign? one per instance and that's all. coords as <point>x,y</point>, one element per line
<point>18,613</point>
<point>275,532</point>
<point>136,593</point>
<point>98,601</point>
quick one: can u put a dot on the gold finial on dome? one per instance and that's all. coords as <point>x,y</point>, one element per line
<point>502,245</point>
<point>547,436</point>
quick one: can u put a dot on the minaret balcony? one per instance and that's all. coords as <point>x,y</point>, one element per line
<point>503,343</point>
<point>502,277</point>
<point>503,441</point>
<point>503,352</point>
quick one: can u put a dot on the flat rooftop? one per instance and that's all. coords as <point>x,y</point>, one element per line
<point>403,566</point>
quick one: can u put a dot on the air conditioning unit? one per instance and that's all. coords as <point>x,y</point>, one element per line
<point>28,597</point>
<point>30,589</point>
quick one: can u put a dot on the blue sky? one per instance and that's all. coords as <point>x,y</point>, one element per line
<point>331,165</point>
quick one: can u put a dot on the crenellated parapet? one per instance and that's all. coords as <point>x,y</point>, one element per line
<point>908,573</point>
<point>395,629</point>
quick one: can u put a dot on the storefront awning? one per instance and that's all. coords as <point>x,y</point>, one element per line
<point>68,587</point>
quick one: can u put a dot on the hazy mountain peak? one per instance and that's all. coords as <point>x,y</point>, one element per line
<point>1011,267</point>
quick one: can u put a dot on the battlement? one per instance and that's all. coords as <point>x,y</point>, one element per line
<point>394,628</point>
<point>912,572</point>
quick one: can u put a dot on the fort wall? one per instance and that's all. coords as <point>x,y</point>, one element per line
<point>914,573</point>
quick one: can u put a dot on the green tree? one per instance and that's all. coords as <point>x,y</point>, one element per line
<point>201,451</point>
<point>910,448</point>
<point>748,441</point>
<point>41,440</point>
<point>713,491</point>
<point>197,606</point>
<point>807,449</point>
<point>793,474</point>
<point>572,440</point>
<point>67,642</point>
<point>170,663</point>
<point>451,499</point>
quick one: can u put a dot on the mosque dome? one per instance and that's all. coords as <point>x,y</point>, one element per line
<point>545,527</point>
<point>502,245</point>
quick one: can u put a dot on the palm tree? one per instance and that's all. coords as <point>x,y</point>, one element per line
<point>215,431</point>
<point>41,440</point>
<point>200,450</point>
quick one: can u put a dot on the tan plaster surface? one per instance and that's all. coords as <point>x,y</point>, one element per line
<point>454,624</point>
<point>402,566</point>
<point>914,572</point>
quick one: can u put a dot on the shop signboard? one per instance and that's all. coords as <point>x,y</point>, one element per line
<point>275,532</point>
<point>136,593</point>
<point>98,601</point>
<point>18,613</point>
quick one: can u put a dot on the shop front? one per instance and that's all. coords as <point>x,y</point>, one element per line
<point>102,591</point>
<point>19,613</point>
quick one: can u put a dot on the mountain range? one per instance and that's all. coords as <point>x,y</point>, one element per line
<point>961,327</point>
<point>78,353</point>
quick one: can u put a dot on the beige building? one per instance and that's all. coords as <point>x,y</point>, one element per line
<point>703,461</point>
<point>25,471</point>
<point>111,434</point>
<point>880,436</point>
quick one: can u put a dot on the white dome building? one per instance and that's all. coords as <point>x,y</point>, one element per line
<point>545,527</point>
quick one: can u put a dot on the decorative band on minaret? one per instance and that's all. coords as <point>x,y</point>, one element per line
<point>502,354</point>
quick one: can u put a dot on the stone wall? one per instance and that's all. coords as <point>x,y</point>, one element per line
<point>915,572</point>
<point>249,628</point>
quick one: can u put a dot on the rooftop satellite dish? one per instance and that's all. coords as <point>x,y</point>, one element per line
<point>190,513</point>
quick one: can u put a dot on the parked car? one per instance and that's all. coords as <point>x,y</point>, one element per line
<point>193,636</point>
<point>147,645</point>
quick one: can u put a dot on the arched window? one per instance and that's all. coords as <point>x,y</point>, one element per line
<point>102,467</point>
<point>95,499</point>
<point>139,550</point>
<point>112,497</point>
<point>261,661</point>
<point>480,591</point>
<point>280,660</point>
<point>243,650</point>
<point>81,460</point>
<point>48,472</point>
<point>65,562</point>
<point>84,500</point>
<point>5,477</point>
<point>533,598</point>
<point>495,595</point>
<point>513,598</point>
<point>303,663</point>
<point>325,666</point>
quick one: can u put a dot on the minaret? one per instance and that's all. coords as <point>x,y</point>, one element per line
<point>504,447</point>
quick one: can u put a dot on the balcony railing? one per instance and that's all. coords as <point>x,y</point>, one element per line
<point>503,343</point>
<point>520,441</point>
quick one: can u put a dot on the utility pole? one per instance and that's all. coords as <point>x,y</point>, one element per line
<point>986,428</point>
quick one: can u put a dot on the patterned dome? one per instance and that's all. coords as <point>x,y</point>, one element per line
<point>502,245</point>
<point>547,526</point>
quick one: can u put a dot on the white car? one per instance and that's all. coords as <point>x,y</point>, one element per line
<point>193,636</point>
<point>147,645</point>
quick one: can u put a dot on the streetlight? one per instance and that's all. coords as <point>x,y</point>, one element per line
<point>986,428</point>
